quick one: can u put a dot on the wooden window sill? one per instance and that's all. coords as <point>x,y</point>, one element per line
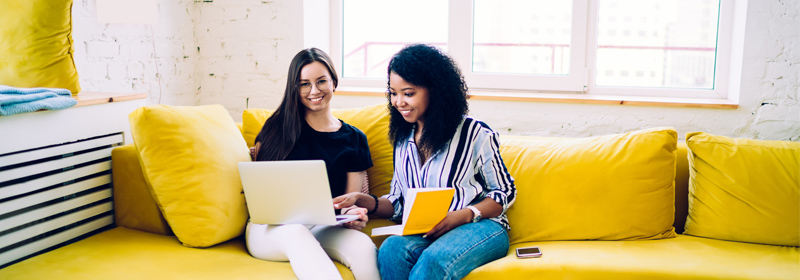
<point>571,98</point>
<point>86,98</point>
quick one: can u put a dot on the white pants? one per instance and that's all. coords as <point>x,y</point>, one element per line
<point>309,249</point>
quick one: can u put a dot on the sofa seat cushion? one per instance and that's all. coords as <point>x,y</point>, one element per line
<point>683,257</point>
<point>123,253</point>
<point>375,222</point>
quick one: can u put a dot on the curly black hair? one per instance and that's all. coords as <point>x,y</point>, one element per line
<point>427,66</point>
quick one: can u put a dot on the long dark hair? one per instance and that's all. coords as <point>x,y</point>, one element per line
<point>281,130</point>
<point>427,66</point>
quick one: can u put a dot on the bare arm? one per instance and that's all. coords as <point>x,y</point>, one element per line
<point>355,198</point>
<point>385,208</point>
<point>488,207</point>
<point>355,180</point>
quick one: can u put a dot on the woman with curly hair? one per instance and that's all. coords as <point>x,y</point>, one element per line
<point>437,146</point>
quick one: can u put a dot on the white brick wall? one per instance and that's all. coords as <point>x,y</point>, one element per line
<point>245,47</point>
<point>119,57</point>
<point>102,49</point>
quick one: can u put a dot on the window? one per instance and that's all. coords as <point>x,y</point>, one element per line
<point>375,30</point>
<point>498,49</point>
<point>662,48</point>
<point>682,57</point>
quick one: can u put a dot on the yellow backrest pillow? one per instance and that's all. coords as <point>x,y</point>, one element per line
<point>614,187</point>
<point>36,44</point>
<point>372,120</point>
<point>744,190</point>
<point>189,157</point>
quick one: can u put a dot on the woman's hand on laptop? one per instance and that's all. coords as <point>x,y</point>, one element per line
<point>345,200</point>
<point>254,151</point>
<point>362,217</point>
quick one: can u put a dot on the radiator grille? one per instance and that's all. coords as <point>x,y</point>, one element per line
<point>55,195</point>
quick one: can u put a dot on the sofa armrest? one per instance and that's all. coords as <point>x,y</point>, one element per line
<point>134,205</point>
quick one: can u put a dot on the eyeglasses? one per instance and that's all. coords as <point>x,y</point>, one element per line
<point>305,87</point>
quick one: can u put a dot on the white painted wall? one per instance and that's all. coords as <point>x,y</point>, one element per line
<point>245,47</point>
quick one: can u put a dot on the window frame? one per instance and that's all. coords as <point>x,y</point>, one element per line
<point>721,65</point>
<point>581,78</point>
<point>460,48</point>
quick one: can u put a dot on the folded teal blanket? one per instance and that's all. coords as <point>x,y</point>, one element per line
<point>22,100</point>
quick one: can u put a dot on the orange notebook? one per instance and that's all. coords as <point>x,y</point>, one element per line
<point>423,209</point>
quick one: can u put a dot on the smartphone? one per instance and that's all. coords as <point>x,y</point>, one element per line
<point>529,252</point>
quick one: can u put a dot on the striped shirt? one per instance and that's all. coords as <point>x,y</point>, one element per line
<point>470,163</point>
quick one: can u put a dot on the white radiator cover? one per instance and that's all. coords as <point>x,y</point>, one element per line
<point>55,176</point>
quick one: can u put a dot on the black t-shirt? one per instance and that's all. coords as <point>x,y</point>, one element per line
<point>345,150</point>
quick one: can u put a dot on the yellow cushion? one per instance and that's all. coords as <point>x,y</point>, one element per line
<point>683,257</point>
<point>241,128</point>
<point>134,206</point>
<point>744,190</point>
<point>123,253</point>
<point>36,46</point>
<point>252,121</point>
<point>189,156</point>
<point>372,120</point>
<point>614,187</point>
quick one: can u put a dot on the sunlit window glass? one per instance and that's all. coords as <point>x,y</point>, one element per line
<point>372,31</point>
<point>522,36</point>
<point>674,42</point>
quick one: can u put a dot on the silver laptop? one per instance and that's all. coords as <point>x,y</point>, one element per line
<point>289,192</point>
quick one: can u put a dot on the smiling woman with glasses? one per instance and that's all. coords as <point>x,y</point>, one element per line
<point>305,87</point>
<point>303,128</point>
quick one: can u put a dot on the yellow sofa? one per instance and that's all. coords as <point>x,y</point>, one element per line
<point>580,200</point>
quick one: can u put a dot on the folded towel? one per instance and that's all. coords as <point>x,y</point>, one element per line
<point>24,91</point>
<point>21,100</point>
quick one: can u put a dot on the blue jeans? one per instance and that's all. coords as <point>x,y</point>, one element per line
<point>452,256</point>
